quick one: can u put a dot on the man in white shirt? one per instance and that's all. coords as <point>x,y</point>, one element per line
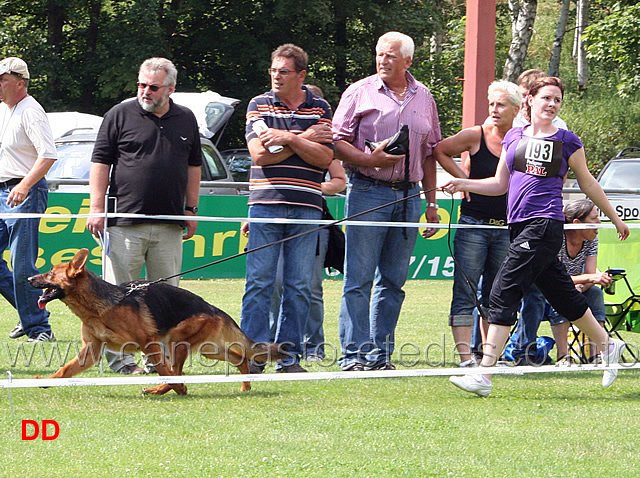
<point>27,152</point>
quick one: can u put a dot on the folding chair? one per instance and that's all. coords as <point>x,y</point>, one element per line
<point>620,316</point>
<point>579,345</point>
<point>624,315</point>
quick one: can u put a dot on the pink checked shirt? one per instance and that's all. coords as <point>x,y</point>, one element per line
<point>368,110</point>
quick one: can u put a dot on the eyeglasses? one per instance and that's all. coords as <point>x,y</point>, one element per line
<point>284,72</point>
<point>144,86</point>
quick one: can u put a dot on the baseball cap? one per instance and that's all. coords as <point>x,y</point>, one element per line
<point>14,65</point>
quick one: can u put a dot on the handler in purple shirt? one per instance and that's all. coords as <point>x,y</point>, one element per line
<point>374,109</point>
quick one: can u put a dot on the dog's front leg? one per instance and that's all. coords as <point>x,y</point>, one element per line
<point>87,356</point>
<point>154,349</point>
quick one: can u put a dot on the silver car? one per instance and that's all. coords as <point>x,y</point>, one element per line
<point>620,179</point>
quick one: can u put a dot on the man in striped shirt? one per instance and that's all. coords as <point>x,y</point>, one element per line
<point>373,109</point>
<point>285,183</point>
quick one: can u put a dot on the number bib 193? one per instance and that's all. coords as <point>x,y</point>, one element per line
<point>539,157</point>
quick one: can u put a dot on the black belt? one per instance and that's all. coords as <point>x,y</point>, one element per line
<point>10,182</point>
<point>395,185</point>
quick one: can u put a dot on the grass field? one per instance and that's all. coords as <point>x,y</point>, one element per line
<point>536,425</point>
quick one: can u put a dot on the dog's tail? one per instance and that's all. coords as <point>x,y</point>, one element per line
<point>265,352</point>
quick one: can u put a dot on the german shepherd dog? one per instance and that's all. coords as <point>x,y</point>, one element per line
<point>144,316</point>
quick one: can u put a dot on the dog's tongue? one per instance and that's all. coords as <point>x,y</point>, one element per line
<point>41,303</point>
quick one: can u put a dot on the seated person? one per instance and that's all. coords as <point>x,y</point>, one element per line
<point>579,255</point>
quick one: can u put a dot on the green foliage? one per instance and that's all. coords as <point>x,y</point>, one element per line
<point>613,44</point>
<point>606,123</point>
<point>442,73</point>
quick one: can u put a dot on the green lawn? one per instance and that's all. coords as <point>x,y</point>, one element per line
<point>536,425</point>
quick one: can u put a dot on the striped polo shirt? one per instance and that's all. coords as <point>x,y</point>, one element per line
<point>292,181</point>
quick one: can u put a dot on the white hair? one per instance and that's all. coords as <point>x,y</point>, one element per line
<point>511,89</point>
<point>406,42</point>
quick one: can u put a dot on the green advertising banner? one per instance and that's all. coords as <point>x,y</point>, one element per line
<point>61,237</point>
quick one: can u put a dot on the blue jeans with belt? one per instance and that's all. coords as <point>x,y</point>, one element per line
<point>376,267</point>
<point>21,237</point>
<point>479,253</point>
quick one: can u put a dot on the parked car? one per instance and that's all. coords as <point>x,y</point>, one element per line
<point>239,162</point>
<point>75,136</point>
<point>620,179</point>
<point>74,163</point>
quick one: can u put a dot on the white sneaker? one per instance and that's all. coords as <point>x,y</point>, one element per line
<point>472,384</point>
<point>613,357</point>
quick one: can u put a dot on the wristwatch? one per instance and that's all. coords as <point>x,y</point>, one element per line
<point>193,209</point>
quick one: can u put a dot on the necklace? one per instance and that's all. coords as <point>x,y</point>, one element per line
<point>404,92</point>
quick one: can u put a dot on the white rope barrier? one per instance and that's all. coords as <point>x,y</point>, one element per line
<point>299,377</point>
<point>444,225</point>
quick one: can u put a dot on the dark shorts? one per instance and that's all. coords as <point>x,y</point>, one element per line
<point>533,259</point>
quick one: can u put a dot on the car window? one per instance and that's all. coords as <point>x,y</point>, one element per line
<point>214,164</point>
<point>621,174</point>
<point>74,161</point>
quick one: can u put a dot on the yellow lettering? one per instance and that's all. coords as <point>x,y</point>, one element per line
<point>63,255</point>
<point>244,240</point>
<point>218,241</point>
<point>198,245</point>
<point>45,228</point>
<point>40,262</point>
<point>96,252</point>
<point>6,255</point>
<point>80,223</point>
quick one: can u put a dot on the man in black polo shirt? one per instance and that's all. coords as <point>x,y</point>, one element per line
<point>284,184</point>
<point>148,155</point>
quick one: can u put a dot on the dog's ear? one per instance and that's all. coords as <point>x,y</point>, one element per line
<point>76,266</point>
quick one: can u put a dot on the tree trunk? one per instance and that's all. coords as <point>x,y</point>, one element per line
<point>523,15</point>
<point>90,81</point>
<point>342,44</point>
<point>55,42</point>
<point>561,28</point>
<point>582,21</point>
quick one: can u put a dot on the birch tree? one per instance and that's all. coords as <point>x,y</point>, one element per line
<point>582,21</point>
<point>523,15</point>
<point>561,28</point>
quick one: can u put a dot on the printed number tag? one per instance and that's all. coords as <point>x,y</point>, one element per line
<point>539,150</point>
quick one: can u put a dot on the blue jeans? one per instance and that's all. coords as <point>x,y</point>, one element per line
<point>298,259</point>
<point>21,237</point>
<point>368,319</point>
<point>313,330</point>
<point>479,253</point>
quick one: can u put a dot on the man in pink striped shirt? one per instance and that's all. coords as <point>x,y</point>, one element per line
<point>373,109</point>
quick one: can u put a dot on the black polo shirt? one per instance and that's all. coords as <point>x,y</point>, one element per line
<point>150,156</point>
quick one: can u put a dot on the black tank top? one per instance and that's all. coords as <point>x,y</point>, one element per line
<point>483,164</point>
